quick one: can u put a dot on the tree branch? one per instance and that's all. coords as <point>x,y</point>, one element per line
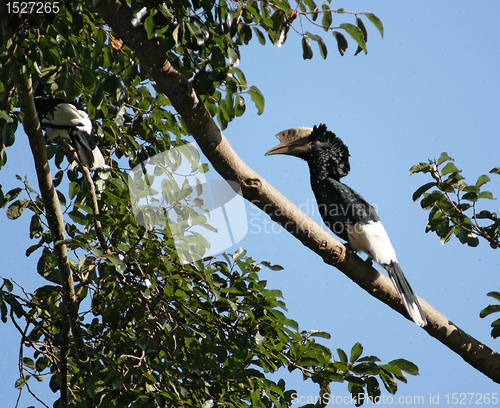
<point>92,193</point>
<point>255,189</point>
<point>69,306</point>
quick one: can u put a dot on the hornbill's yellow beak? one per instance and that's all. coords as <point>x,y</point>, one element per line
<point>294,142</point>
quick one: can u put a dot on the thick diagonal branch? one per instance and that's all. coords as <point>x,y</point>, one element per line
<point>255,189</point>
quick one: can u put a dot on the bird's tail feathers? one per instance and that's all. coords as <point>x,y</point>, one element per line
<point>406,293</point>
<point>89,154</point>
<point>86,156</point>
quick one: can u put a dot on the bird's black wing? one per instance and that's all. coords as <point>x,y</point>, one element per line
<point>84,145</point>
<point>340,206</point>
<point>82,138</point>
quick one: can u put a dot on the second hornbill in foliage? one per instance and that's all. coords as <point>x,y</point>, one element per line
<point>64,120</point>
<point>343,210</point>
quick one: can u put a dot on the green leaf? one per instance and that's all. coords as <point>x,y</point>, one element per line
<point>11,195</point>
<point>495,332</point>
<point>217,60</point>
<point>357,393</point>
<point>78,217</point>
<point>74,189</point>
<point>42,363</point>
<point>389,381</point>
<point>489,310</point>
<point>197,36</point>
<point>354,380</point>
<point>470,197</point>
<point>484,214</point>
<point>495,170</point>
<point>356,352</point>
<point>203,82</point>
<point>3,310</point>
<point>365,368</point>
<point>319,333</point>
<point>362,27</point>
<point>482,180</point>
<point>494,295</point>
<point>204,168</point>
<point>356,33</point>
<point>340,366</point>
<point>485,194</point>
<point>421,168</point>
<point>306,48</point>
<point>16,208</point>
<point>260,35</point>
<point>373,388</point>
<point>395,371</point>
<point>275,267</point>
<point>8,284</point>
<point>376,22</point>
<point>28,362</point>
<point>150,26</point>
<point>369,359</point>
<point>421,190</point>
<point>327,17</point>
<point>9,134</point>
<point>430,199</point>
<point>444,157</point>
<point>447,236</point>
<point>257,98</point>
<point>232,57</point>
<point>341,42</point>
<point>308,361</point>
<point>21,381</point>
<point>342,355</point>
<point>405,365</point>
<point>36,229</point>
<point>322,47</point>
<point>312,6</point>
<point>449,168</point>
<point>239,107</point>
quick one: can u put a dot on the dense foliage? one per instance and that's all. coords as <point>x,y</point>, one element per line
<point>454,210</point>
<point>148,330</point>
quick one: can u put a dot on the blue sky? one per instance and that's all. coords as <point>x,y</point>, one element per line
<point>431,85</point>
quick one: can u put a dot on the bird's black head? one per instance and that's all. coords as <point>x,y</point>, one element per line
<point>322,150</point>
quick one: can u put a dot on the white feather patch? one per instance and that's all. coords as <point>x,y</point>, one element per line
<point>372,239</point>
<point>99,162</point>
<point>66,115</point>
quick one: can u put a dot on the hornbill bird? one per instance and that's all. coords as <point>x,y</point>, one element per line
<point>343,210</point>
<point>61,119</point>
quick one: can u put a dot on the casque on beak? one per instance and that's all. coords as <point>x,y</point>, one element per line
<point>294,142</point>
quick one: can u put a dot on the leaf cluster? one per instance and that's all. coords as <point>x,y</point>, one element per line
<point>361,373</point>
<point>165,334</point>
<point>495,331</point>
<point>310,11</point>
<point>453,203</point>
